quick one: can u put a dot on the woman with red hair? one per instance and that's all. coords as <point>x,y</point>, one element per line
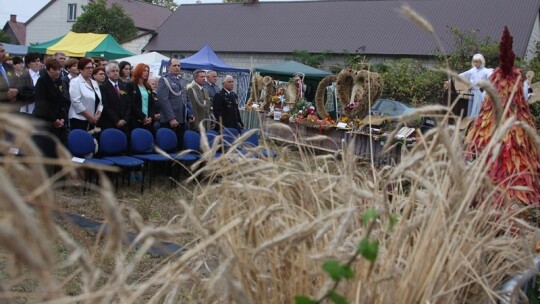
<point>143,100</point>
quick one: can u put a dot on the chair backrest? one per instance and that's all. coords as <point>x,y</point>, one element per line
<point>229,136</point>
<point>166,140</point>
<point>211,136</point>
<point>142,141</point>
<point>252,141</point>
<point>192,141</point>
<point>80,143</point>
<point>112,142</point>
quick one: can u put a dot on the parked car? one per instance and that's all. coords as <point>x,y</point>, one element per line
<point>394,109</point>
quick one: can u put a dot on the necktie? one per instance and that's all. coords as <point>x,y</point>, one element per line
<point>4,74</point>
<point>116,89</point>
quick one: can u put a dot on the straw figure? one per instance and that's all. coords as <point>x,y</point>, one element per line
<point>256,87</point>
<point>319,95</point>
<point>268,89</point>
<point>357,89</point>
<point>515,164</point>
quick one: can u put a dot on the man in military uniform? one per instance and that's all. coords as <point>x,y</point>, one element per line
<point>175,108</point>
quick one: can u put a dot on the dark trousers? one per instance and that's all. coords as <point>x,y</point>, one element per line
<point>179,134</point>
<point>78,124</point>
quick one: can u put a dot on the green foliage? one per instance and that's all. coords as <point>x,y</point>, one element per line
<point>4,37</point>
<point>307,58</point>
<point>369,215</point>
<point>369,250</point>
<point>99,19</point>
<point>466,44</point>
<point>336,298</point>
<point>303,300</point>
<point>406,80</point>
<point>534,64</point>
<point>170,4</point>
<point>337,271</point>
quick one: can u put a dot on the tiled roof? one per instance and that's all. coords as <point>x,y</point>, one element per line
<point>19,30</point>
<point>145,15</point>
<point>370,27</point>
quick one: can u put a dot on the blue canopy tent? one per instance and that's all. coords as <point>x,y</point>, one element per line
<point>206,59</point>
<point>15,49</point>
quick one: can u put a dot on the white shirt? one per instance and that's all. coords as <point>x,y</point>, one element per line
<point>475,74</point>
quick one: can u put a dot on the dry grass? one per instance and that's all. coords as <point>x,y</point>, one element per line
<point>258,230</point>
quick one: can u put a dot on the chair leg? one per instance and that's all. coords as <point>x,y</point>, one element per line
<point>142,180</point>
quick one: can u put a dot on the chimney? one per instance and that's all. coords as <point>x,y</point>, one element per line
<point>13,18</point>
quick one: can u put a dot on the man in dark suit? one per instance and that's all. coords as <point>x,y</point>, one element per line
<point>116,109</point>
<point>174,105</point>
<point>8,90</point>
<point>226,106</point>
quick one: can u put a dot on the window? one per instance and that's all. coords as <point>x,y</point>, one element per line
<point>72,12</point>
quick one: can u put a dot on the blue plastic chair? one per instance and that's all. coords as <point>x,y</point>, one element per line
<point>113,146</point>
<point>167,141</point>
<point>142,147</point>
<point>192,142</point>
<point>253,142</point>
<point>81,144</point>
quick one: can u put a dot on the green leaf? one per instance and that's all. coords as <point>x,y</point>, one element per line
<point>337,271</point>
<point>334,269</point>
<point>336,298</point>
<point>393,221</point>
<point>369,250</point>
<point>303,300</point>
<point>370,214</point>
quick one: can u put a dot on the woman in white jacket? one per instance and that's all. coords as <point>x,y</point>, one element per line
<point>477,73</point>
<point>86,105</point>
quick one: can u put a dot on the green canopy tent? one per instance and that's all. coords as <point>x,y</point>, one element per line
<point>285,70</point>
<point>42,47</point>
<point>83,45</point>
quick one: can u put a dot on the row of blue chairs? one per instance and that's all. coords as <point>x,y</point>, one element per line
<point>113,150</point>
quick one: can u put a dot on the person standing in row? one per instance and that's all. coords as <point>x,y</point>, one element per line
<point>175,108</point>
<point>8,91</point>
<point>125,72</point>
<point>51,105</point>
<point>116,107</point>
<point>86,105</point>
<point>200,101</point>
<point>99,75</point>
<point>73,71</point>
<point>210,84</point>
<point>33,65</point>
<point>226,106</point>
<point>141,98</point>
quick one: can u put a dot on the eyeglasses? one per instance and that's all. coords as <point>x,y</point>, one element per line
<point>100,74</point>
<point>89,68</point>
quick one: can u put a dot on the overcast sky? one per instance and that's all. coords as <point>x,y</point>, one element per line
<point>24,9</point>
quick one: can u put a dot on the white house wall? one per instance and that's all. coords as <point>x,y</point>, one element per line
<point>136,45</point>
<point>52,22</point>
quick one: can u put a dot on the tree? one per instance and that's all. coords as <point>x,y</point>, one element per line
<point>465,44</point>
<point>99,19</point>
<point>307,58</point>
<point>4,37</point>
<point>170,4</point>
